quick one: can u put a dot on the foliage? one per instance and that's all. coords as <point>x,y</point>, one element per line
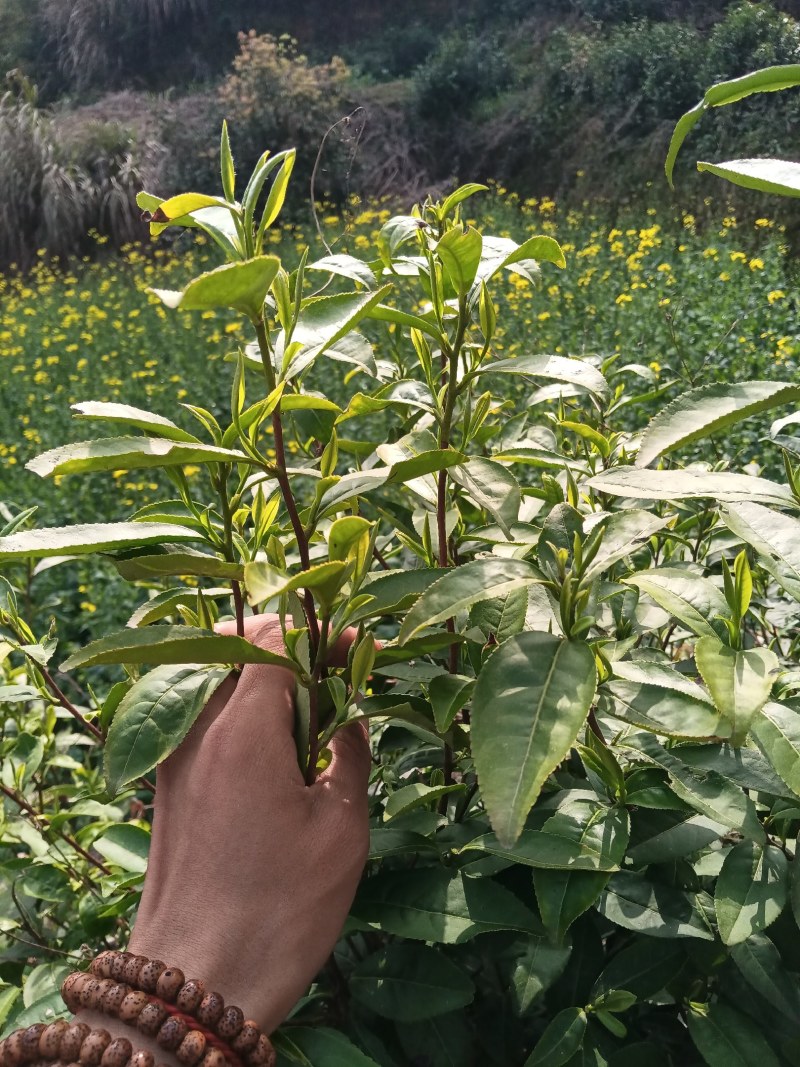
<point>584,715</point>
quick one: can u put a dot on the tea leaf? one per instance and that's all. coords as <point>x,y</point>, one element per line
<point>410,982</point>
<point>751,890</point>
<point>100,537</point>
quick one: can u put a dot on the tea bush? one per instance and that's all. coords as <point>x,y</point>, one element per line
<point>584,711</point>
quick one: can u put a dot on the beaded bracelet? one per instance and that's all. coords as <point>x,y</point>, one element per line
<point>186,1020</point>
<point>73,1044</point>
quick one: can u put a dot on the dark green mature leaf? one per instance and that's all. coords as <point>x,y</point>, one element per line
<point>554,368</point>
<point>689,485</point>
<point>436,904</point>
<point>776,730</point>
<point>761,965</point>
<point>417,795</point>
<point>410,982</point>
<point>128,453</point>
<point>503,616</point>
<point>563,896</point>
<point>635,903</point>
<point>460,588</point>
<point>726,1037</point>
<point>644,968</point>
<point>321,1047</point>
<point>706,791</point>
<point>739,681</point>
<point>493,487</point>
<point>172,644</point>
<point>706,410</point>
<point>566,843</point>
<point>125,845</point>
<point>780,176</point>
<point>444,1041</point>
<point>624,532</point>
<point>531,700</point>
<point>99,537</point>
<point>774,535</point>
<point>393,592</point>
<point>751,890</point>
<point>659,699</point>
<point>562,1038</point>
<point>177,564</point>
<point>662,837</point>
<point>126,415</point>
<point>153,718</point>
<point>535,970</point>
<point>448,693</point>
<point>767,80</point>
<point>687,596</point>
<point>242,286</point>
<point>745,766</point>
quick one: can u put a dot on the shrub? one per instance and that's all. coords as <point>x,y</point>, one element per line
<point>584,714</point>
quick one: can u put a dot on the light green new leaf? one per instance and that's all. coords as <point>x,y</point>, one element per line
<point>766,80</point>
<point>417,795</point>
<point>459,195</point>
<point>126,415</point>
<point>99,537</point>
<point>554,368</point>
<point>263,582</point>
<point>242,286</point>
<point>688,597</point>
<point>706,791</point>
<point>532,697</point>
<point>407,983</point>
<point>324,320</point>
<point>561,1039</point>
<point>726,1037</point>
<point>492,487</point>
<point>393,592</point>
<point>345,266</point>
<point>689,485</point>
<point>777,176</point>
<point>172,644</point>
<point>460,588</point>
<point>751,890</point>
<point>776,730</point>
<point>706,410</point>
<point>153,718</point>
<point>739,682</point>
<point>177,564</point>
<point>126,454</point>
<point>440,905</point>
<point>651,908</point>
<point>460,252</point>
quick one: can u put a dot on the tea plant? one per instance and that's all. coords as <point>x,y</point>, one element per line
<point>584,709</point>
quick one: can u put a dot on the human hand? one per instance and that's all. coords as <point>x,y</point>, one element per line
<point>252,873</point>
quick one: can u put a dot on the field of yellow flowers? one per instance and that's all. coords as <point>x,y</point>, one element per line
<point>671,300</point>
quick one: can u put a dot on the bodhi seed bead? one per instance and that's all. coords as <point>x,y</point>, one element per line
<point>93,1047</point>
<point>263,1055</point>
<point>90,993</point>
<point>117,1054</point>
<point>114,996</point>
<point>191,1049</point>
<point>169,984</point>
<point>14,1055</point>
<point>173,1031</point>
<point>132,1005</point>
<point>71,1041</point>
<point>51,1038</point>
<point>30,1042</point>
<point>189,996</point>
<point>248,1037</point>
<point>118,965</point>
<point>142,1058</point>
<point>101,965</point>
<point>151,1019</point>
<point>133,969</point>
<point>214,1058</point>
<point>230,1023</point>
<point>150,974</point>
<point>210,1011</point>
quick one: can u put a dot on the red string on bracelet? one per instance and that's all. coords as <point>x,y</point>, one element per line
<point>211,1038</point>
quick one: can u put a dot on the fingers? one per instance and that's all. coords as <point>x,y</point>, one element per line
<point>350,766</point>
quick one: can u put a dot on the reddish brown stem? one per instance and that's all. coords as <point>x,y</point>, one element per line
<point>67,704</point>
<point>23,805</point>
